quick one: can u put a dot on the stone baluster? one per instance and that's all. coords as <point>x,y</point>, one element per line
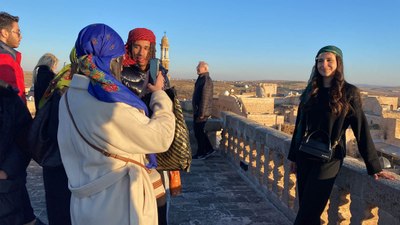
<point>224,143</point>
<point>271,167</point>
<point>324,215</point>
<point>362,213</point>
<point>236,149</point>
<point>286,177</point>
<point>289,193</point>
<point>276,173</point>
<point>231,143</point>
<point>279,176</point>
<point>334,202</point>
<point>241,149</point>
<point>246,151</point>
<point>267,176</point>
<point>253,159</point>
<point>260,162</point>
<point>344,208</point>
<point>266,170</point>
<point>293,200</point>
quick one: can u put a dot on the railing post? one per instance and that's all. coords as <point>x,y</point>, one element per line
<point>344,207</point>
<point>276,173</point>
<point>253,159</point>
<point>259,165</point>
<point>224,142</point>
<point>362,213</point>
<point>334,206</point>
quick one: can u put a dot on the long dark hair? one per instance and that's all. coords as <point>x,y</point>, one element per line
<point>337,100</point>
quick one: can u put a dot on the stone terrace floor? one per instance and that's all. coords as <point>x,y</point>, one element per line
<point>213,193</point>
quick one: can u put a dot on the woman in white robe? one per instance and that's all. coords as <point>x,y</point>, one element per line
<point>106,190</point>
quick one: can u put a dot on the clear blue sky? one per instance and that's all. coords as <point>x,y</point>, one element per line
<point>241,40</point>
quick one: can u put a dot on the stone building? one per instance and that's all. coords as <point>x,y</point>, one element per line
<point>266,90</point>
<point>384,123</point>
<point>254,107</point>
<point>376,105</point>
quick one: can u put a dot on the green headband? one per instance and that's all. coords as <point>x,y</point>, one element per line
<point>330,48</point>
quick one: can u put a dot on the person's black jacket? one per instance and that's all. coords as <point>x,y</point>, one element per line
<point>202,97</point>
<point>136,79</point>
<point>353,117</point>
<point>43,78</point>
<point>15,120</point>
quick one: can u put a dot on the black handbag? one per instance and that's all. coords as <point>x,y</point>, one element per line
<point>179,154</point>
<point>42,135</point>
<point>320,148</point>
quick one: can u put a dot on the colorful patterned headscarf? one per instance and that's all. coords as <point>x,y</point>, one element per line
<point>96,46</point>
<point>137,34</point>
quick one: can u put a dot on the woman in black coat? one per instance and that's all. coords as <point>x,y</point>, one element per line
<point>55,179</point>
<point>43,73</point>
<point>330,105</point>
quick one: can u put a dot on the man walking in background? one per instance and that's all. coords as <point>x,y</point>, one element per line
<point>10,59</point>
<point>202,107</point>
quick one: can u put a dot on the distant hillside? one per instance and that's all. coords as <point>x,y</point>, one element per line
<point>185,87</point>
<point>28,78</point>
<point>379,90</point>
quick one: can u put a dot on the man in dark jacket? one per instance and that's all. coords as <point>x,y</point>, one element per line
<point>15,119</point>
<point>202,107</point>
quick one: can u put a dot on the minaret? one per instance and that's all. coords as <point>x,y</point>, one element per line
<point>164,52</point>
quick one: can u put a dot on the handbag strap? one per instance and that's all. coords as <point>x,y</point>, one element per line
<point>105,153</point>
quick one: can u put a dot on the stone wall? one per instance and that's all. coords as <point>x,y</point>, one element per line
<point>388,103</point>
<point>267,119</point>
<point>392,114</point>
<point>257,105</point>
<point>266,90</point>
<point>371,106</point>
<point>392,131</point>
<point>228,103</point>
<point>378,104</point>
<point>289,100</point>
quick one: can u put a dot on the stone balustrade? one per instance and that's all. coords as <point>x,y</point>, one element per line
<point>261,153</point>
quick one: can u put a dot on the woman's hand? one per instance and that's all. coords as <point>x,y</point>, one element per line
<point>385,175</point>
<point>293,167</point>
<point>159,85</point>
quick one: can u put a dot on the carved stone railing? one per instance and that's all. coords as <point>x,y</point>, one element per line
<point>261,153</point>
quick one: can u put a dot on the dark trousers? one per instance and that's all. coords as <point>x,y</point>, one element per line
<point>314,185</point>
<point>26,205</point>
<point>203,144</point>
<point>58,196</point>
<point>11,202</point>
<point>15,205</point>
<point>162,203</point>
